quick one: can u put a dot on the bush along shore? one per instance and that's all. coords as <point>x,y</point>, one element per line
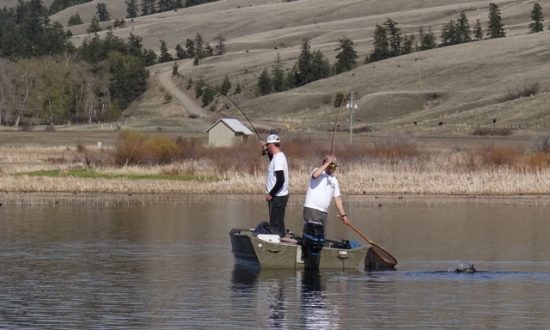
<point>150,164</point>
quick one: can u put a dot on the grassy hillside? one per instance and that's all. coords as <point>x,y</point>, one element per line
<point>450,90</point>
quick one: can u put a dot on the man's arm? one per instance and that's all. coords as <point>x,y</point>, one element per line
<point>280,175</point>
<point>340,208</point>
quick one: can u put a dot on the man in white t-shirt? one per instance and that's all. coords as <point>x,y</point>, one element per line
<point>276,184</point>
<point>323,186</point>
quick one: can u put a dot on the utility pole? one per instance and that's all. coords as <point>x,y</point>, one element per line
<point>351,105</point>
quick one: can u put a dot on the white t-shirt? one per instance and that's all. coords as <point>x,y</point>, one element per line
<point>278,163</point>
<point>320,192</point>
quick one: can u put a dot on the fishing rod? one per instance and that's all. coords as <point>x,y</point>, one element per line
<point>232,102</point>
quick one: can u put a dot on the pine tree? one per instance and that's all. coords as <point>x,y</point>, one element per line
<point>478,30</point>
<point>165,5</point>
<point>74,20</point>
<point>207,96</point>
<point>264,83</point>
<point>238,89</point>
<point>225,87</point>
<point>190,48</point>
<point>131,8</point>
<point>427,40</point>
<point>208,50</point>
<point>220,45</point>
<point>164,55</point>
<point>148,7</point>
<point>94,26</point>
<point>409,44</point>
<point>449,34</point>
<point>175,68</point>
<point>199,89</point>
<point>496,27</point>
<point>102,12</point>
<point>394,37</point>
<point>463,28</point>
<point>278,75</point>
<point>128,78</point>
<point>381,49</point>
<point>199,46</point>
<point>346,59</point>
<point>304,64</point>
<point>135,45</point>
<point>537,17</point>
<point>149,57</point>
<point>293,77</point>
<point>119,23</point>
<point>320,67</point>
<point>180,52</point>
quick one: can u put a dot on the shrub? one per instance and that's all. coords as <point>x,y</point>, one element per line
<point>159,149</point>
<point>543,144</point>
<point>394,150</point>
<point>338,99</point>
<point>493,131</point>
<point>538,160</point>
<point>525,91</point>
<point>500,156</point>
<point>128,147</point>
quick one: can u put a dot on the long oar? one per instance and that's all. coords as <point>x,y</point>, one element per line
<point>377,249</point>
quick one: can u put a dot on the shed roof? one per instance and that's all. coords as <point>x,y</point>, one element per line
<point>234,124</point>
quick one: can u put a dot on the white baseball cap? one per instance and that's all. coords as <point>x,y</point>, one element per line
<point>273,138</point>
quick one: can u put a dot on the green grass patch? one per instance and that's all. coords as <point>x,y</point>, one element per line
<point>80,173</point>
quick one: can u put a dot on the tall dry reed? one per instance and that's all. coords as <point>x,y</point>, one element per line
<point>395,167</point>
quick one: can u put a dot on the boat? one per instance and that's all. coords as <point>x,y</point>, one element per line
<point>268,251</point>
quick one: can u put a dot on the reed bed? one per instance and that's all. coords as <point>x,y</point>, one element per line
<point>372,169</point>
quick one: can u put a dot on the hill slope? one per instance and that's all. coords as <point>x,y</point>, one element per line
<point>441,91</point>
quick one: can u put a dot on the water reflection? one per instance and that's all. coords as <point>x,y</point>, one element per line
<point>316,310</point>
<point>169,266</point>
<point>289,298</point>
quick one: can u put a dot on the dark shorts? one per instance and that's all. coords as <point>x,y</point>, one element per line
<point>314,216</point>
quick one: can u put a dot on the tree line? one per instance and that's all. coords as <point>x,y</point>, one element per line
<point>196,48</point>
<point>93,83</point>
<point>45,79</point>
<point>388,41</point>
<point>311,65</point>
<point>148,7</point>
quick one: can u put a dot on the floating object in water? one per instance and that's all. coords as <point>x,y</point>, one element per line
<point>463,267</point>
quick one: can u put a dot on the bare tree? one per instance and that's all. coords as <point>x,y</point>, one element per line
<point>6,72</point>
<point>24,83</point>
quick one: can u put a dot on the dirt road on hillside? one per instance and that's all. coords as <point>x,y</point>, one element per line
<point>189,103</point>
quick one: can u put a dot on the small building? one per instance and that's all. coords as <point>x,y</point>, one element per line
<point>227,131</point>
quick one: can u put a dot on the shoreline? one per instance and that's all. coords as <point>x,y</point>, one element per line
<point>21,199</point>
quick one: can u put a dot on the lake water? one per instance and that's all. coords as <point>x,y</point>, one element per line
<point>168,265</point>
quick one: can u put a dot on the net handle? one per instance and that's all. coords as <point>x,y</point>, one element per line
<point>380,251</point>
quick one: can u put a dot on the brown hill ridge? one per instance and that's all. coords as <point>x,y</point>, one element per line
<point>449,90</point>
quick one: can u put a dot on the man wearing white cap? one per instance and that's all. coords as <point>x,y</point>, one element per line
<point>322,188</point>
<point>276,183</point>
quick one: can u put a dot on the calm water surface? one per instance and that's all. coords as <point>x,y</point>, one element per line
<point>169,266</point>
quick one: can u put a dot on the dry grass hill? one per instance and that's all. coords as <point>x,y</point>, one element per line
<point>444,91</point>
